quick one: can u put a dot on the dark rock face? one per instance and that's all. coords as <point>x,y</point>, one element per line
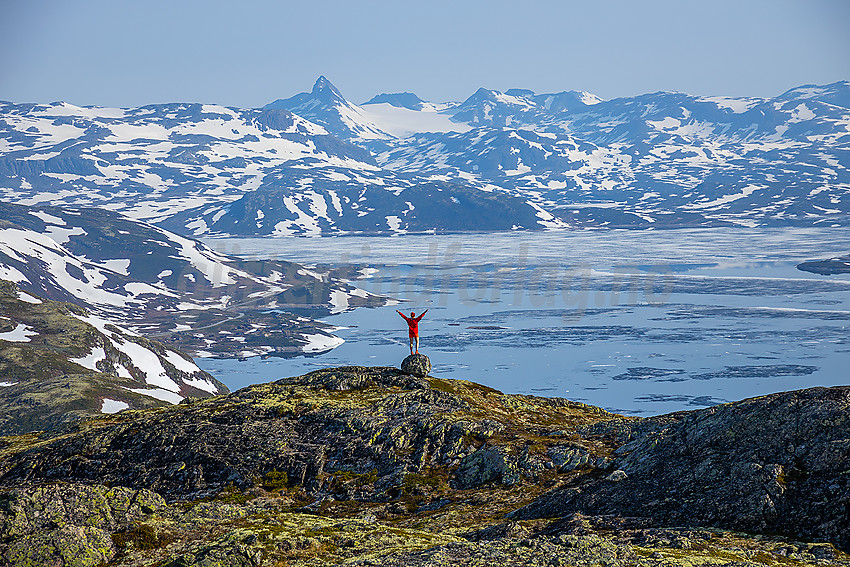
<point>416,365</point>
<point>773,464</point>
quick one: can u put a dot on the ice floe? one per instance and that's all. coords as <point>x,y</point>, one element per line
<point>320,343</point>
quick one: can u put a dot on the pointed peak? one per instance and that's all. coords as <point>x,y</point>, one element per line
<point>323,84</point>
<point>480,95</point>
<point>484,92</point>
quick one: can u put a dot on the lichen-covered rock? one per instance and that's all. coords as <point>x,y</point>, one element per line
<point>776,464</point>
<point>416,365</point>
<point>488,464</point>
<point>232,550</point>
<point>68,524</point>
<point>66,546</point>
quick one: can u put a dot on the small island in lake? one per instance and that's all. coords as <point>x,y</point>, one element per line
<point>829,267</point>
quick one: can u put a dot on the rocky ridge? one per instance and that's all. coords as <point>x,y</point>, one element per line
<point>371,466</point>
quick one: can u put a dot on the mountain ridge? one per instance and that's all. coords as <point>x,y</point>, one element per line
<point>661,160</point>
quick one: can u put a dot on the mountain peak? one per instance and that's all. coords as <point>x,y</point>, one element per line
<point>399,100</point>
<point>324,86</point>
<point>482,93</point>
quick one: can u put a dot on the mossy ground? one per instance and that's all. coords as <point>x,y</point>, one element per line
<point>271,530</point>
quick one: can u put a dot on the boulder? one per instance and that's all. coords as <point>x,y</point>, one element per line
<point>416,365</point>
<point>487,464</point>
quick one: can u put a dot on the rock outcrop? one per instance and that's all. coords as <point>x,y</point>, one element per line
<point>773,464</point>
<point>72,524</point>
<point>374,466</point>
<point>416,365</point>
<point>318,428</point>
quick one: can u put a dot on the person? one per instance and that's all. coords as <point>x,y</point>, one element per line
<point>413,328</point>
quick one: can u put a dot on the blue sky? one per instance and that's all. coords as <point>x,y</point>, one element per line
<point>248,53</point>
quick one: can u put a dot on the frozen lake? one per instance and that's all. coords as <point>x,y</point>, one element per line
<point>638,322</point>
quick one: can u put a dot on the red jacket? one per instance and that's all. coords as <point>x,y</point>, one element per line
<point>412,323</point>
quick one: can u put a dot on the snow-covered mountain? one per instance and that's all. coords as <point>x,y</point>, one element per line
<point>184,166</point>
<point>154,161</point>
<point>316,163</point>
<point>160,284</point>
<point>325,105</point>
<point>664,159</point>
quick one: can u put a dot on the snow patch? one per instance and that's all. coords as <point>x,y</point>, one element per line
<point>745,192</point>
<point>63,235</point>
<point>27,298</point>
<point>20,334</point>
<point>394,223</point>
<point>159,394</point>
<point>202,384</point>
<point>403,122</point>
<point>736,105</point>
<point>12,274</point>
<point>90,360</point>
<point>339,301</point>
<point>113,406</point>
<point>180,363</point>
<point>119,266</point>
<point>48,218</point>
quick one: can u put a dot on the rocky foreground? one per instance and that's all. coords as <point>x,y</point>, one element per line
<point>371,466</point>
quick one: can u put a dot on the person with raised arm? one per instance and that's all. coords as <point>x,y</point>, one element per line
<point>413,328</point>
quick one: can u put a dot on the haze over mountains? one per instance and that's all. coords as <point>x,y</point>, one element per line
<point>316,163</point>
